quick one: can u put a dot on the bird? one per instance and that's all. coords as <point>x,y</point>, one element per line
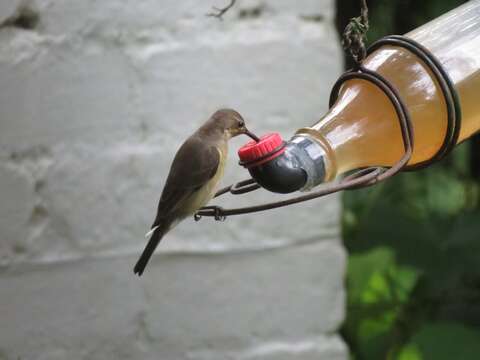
<point>194,175</point>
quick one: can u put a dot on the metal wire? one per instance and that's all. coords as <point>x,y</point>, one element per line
<point>454,114</point>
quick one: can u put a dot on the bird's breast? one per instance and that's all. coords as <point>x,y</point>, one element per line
<point>206,193</point>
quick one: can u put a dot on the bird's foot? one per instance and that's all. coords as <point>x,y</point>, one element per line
<point>215,211</point>
<point>219,214</point>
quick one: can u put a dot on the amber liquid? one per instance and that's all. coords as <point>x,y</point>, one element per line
<point>362,128</point>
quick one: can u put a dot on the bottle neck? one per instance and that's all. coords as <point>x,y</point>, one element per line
<point>362,127</point>
<point>360,130</point>
<point>326,154</point>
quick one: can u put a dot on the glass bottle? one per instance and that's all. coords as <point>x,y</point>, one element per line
<point>361,129</point>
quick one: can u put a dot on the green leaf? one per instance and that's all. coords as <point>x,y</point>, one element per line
<point>410,352</point>
<point>377,289</point>
<point>443,341</point>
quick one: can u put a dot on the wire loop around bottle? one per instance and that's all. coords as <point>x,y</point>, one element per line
<point>368,176</point>
<point>454,113</point>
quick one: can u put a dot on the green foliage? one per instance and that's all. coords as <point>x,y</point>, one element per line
<point>415,247</point>
<point>378,289</point>
<point>442,341</point>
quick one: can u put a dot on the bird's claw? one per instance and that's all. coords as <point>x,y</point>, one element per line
<point>219,214</point>
<point>216,211</point>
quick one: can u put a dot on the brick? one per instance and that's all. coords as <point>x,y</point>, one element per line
<point>319,348</point>
<point>116,18</point>
<point>54,100</point>
<point>253,304</point>
<point>89,178</point>
<point>16,209</point>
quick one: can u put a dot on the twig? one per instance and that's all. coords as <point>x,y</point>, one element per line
<point>355,34</point>
<point>219,12</point>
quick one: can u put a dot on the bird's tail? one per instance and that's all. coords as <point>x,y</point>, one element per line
<point>156,233</point>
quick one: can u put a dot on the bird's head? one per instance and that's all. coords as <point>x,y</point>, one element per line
<point>231,123</point>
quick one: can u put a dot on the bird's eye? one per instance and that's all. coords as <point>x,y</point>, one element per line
<point>241,124</point>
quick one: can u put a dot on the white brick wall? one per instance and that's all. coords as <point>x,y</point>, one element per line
<point>94,102</point>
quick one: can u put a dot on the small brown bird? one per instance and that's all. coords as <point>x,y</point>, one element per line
<point>194,175</point>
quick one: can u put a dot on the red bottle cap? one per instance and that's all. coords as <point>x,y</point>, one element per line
<point>268,148</point>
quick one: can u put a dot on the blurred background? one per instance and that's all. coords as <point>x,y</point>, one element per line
<point>413,281</point>
<point>96,98</point>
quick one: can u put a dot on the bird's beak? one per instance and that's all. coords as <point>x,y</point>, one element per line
<point>252,135</point>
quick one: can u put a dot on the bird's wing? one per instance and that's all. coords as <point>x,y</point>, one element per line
<point>195,163</point>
